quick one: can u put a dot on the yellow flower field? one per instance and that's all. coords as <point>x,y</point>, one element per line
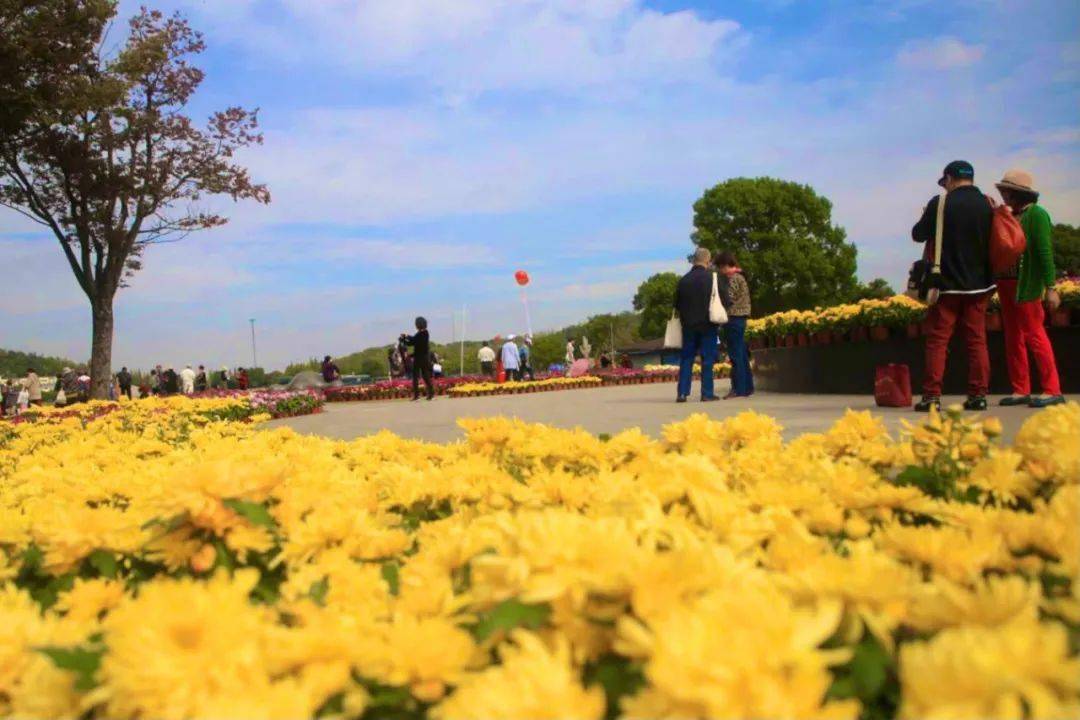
<point>161,562</point>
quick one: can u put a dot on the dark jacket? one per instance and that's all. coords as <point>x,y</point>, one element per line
<point>124,378</point>
<point>692,296</point>
<point>965,253</point>
<point>421,345</point>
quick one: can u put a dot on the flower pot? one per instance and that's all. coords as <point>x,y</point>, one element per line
<point>802,339</point>
<point>879,333</point>
<point>823,337</point>
<point>859,334</point>
<point>993,322</point>
<point>913,331</point>
<point>1060,317</point>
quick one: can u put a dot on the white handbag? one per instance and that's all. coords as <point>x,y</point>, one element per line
<point>673,332</point>
<point>717,313</point>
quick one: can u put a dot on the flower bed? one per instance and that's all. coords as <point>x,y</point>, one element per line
<point>275,403</point>
<point>395,389</point>
<point>720,369</point>
<point>874,319</point>
<point>520,388</point>
<point>159,564</point>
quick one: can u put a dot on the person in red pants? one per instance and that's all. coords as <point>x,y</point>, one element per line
<point>965,284</point>
<point>1022,290</point>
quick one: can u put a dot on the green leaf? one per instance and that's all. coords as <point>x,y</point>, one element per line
<point>511,614</point>
<point>256,513</point>
<point>83,661</point>
<point>869,668</point>
<point>104,562</point>
<point>318,591</point>
<point>618,676</point>
<point>391,571</point>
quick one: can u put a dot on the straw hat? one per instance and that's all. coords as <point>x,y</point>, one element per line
<point>1020,180</point>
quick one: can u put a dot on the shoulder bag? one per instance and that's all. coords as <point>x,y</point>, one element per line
<point>924,279</point>
<point>717,313</point>
<point>673,332</point>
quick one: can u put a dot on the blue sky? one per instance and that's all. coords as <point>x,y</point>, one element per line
<point>421,151</point>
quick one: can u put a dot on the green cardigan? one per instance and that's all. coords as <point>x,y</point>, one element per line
<point>1037,263</point>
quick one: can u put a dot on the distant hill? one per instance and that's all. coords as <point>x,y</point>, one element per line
<point>14,363</point>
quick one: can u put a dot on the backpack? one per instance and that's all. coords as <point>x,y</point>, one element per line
<point>1007,240</point>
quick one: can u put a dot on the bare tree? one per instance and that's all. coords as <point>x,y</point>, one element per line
<point>96,145</point>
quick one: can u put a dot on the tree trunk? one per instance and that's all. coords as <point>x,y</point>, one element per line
<point>101,349</point>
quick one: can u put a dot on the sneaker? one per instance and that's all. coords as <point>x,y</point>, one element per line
<point>1013,400</point>
<point>681,398</point>
<point>926,403</point>
<point>975,403</point>
<point>709,399</point>
<point>1044,401</point>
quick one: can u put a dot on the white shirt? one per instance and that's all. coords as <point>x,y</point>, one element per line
<point>510,358</point>
<point>486,354</point>
<point>187,376</point>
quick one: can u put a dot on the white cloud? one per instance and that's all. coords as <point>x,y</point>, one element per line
<point>473,46</point>
<point>942,53</point>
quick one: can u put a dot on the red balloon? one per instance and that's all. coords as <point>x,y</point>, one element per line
<point>522,278</point>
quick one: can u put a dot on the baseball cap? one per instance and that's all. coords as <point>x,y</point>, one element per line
<point>958,169</point>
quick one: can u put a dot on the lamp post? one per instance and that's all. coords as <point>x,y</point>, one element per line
<point>254,357</point>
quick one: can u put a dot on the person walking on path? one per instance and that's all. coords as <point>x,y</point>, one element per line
<point>202,382</point>
<point>486,356</point>
<point>965,284</point>
<point>525,356</point>
<point>33,387</point>
<point>124,379</point>
<point>511,359</point>
<point>330,371</point>
<point>735,294</point>
<point>699,335</point>
<point>187,380</point>
<point>1022,289</point>
<point>421,359</point>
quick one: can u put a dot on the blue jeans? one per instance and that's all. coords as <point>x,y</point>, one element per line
<point>742,380</point>
<point>693,342</point>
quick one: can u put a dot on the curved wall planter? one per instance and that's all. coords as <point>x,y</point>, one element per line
<point>848,368</point>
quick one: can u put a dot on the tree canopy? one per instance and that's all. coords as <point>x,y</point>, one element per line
<point>783,238</point>
<point>96,146</point>
<point>654,300</point>
<point>876,289</point>
<point>1067,249</point>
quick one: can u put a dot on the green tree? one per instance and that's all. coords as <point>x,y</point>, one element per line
<point>97,147</point>
<point>1067,249</point>
<point>654,300</point>
<point>783,237</point>
<point>876,289</point>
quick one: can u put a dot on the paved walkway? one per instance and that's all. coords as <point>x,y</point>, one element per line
<point>600,410</point>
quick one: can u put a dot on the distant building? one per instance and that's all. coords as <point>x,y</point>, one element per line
<point>650,352</point>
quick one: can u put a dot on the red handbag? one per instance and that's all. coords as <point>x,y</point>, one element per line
<point>892,386</point>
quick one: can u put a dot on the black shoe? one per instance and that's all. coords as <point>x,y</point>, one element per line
<point>710,399</point>
<point>1048,401</point>
<point>430,398</point>
<point>681,398</point>
<point>975,403</point>
<point>415,398</point>
<point>1014,400</point>
<point>926,403</point>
